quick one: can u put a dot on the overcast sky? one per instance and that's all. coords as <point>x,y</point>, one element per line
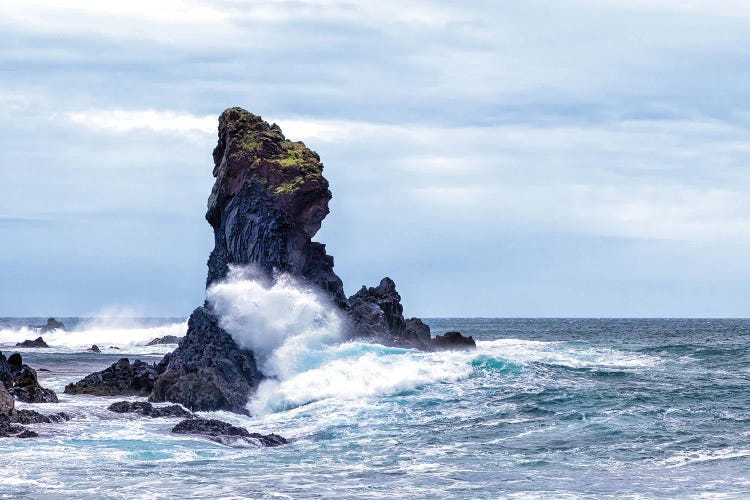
<point>495,158</point>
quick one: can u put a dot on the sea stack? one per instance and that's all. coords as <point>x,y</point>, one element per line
<point>267,203</point>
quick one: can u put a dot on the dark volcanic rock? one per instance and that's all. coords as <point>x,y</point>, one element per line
<point>167,339</point>
<point>208,371</point>
<point>94,348</point>
<point>26,387</point>
<point>38,342</point>
<point>52,324</point>
<point>123,378</point>
<point>416,330</point>
<point>268,201</point>
<point>149,410</point>
<point>377,311</point>
<point>225,433</point>
<point>21,381</point>
<point>453,340</point>
<point>7,403</point>
<point>34,417</point>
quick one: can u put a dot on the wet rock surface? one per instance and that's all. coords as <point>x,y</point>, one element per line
<point>123,378</point>
<point>208,371</point>
<point>51,325</point>
<point>225,433</point>
<point>38,343</point>
<point>167,339</point>
<point>149,410</point>
<point>21,381</point>
<point>454,340</point>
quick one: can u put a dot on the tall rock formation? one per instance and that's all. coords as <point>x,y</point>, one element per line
<point>268,201</point>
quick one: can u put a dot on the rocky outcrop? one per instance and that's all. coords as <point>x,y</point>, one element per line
<point>121,379</point>
<point>21,381</point>
<point>167,339</point>
<point>26,387</point>
<point>268,201</point>
<point>149,410</point>
<point>38,342</point>
<point>7,403</point>
<point>227,434</point>
<point>453,340</point>
<point>94,348</point>
<point>51,325</point>
<point>208,371</point>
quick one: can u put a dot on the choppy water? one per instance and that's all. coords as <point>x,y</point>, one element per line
<point>553,408</point>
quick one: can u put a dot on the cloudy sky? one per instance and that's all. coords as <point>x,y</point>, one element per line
<point>496,158</point>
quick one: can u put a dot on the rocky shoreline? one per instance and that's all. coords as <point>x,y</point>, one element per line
<point>268,201</point>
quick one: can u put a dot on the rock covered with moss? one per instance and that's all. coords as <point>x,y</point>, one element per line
<point>267,202</point>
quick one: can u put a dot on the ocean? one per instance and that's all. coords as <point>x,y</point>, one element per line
<point>553,408</point>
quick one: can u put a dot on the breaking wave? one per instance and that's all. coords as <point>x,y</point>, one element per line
<point>109,331</point>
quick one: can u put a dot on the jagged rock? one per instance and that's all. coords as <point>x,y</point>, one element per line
<point>453,340</point>
<point>52,324</point>
<point>377,311</point>
<point>94,348</point>
<point>167,339</point>
<point>21,381</point>
<point>417,331</point>
<point>208,371</point>
<point>38,342</point>
<point>268,201</point>
<point>225,433</point>
<point>26,387</point>
<point>149,410</point>
<point>34,417</point>
<point>7,403</point>
<point>123,378</point>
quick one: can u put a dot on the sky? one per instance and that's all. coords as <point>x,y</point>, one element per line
<point>566,158</point>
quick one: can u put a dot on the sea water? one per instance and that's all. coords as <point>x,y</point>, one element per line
<point>542,408</point>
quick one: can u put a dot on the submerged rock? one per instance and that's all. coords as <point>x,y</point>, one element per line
<point>38,342</point>
<point>167,339</point>
<point>225,433</point>
<point>51,325</point>
<point>123,378</point>
<point>208,371</point>
<point>149,410</point>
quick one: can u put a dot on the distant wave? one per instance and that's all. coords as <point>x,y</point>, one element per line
<point>100,331</point>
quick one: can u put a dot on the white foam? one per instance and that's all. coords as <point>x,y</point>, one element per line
<point>100,331</point>
<point>283,323</point>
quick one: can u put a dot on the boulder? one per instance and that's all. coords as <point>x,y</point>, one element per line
<point>34,417</point>
<point>26,387</point>
<point>52,324</point>
<point>208,371</point>
<point>149,410</point>
<point>123,378</point>
<point>167,339</point>
<point>7,403</point>
<point>21,381</point>
<point>225,433</point>
<point>453,340</point>
<point>38,342</point>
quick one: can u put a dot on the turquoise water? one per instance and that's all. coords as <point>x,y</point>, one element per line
<point>552,408</point>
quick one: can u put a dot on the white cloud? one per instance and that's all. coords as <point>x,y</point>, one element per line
<point>120,121</point>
